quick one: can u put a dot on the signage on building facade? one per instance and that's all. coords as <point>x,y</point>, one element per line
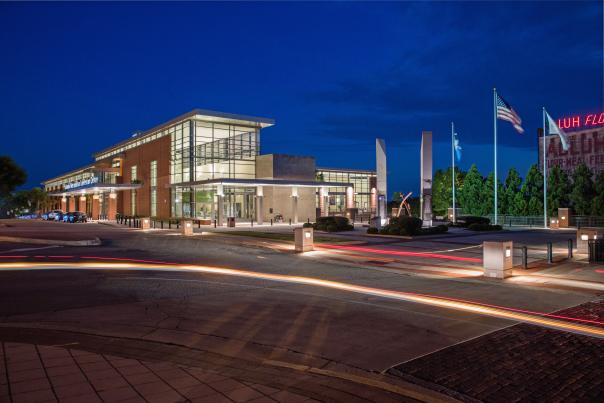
<point>584,146</point>
<point>83,182</point>
<point>582,121</point>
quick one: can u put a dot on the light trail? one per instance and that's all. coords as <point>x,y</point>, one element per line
<point>401,253</point>
<point>553,321</point>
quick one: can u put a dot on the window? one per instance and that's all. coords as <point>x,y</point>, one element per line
<point>153,174</point>
<point>153,185</point>
<point>133,202</point>
<point>133,173</point>
<point>153,202</point>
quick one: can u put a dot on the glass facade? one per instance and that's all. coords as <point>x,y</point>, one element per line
<point>203,150</point>
<point>361,181</point>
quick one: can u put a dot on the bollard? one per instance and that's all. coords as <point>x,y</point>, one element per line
<point>198,223</point>
<point>169,224</point>
<point>252,222</point>
<point>215,223</point>
<point>308,220</point>
<point>271,222</point>
<point>550,258</point>
<point>525,257</point>
<point>570,248</point>
<point>290,221</point>
<point>162,224</point>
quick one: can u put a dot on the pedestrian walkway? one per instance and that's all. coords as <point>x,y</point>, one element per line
<point>36,374</point>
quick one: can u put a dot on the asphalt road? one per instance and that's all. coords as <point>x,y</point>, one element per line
<point>249,318</point>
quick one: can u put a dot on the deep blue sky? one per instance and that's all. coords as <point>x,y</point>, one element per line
<point>77,78</point>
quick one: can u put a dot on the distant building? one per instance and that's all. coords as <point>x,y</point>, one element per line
<point>207,165</point>
<point>586,138</point>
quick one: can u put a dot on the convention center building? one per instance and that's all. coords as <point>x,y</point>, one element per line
<point>207,165</point>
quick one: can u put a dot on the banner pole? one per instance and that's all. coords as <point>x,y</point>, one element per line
<point>495,146</point>
<point>453,168</point>
<point>544,177</point>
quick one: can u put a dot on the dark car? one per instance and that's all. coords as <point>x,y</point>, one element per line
<point>75,216</point>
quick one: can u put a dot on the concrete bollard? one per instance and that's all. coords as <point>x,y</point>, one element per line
<point>498,259</point>
<point>187,227</point>
<point>584,234</point>
<point>145,223</point>
<point>303,239</point>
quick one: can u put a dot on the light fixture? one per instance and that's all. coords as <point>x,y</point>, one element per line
<point>307,234</point>
<point>508,252</point>
<point>563,217</point>
<point>584,237</point>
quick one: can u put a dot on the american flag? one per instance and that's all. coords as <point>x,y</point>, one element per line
<point>506,112</point>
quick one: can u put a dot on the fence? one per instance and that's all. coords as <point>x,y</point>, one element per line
<point>537,221</point>
<point>586,221</point>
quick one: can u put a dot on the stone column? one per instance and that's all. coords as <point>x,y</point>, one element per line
<point>72,203</point>
<point>294,204</point>
<point>95,207</point>
<point>563,217</point>
<point>220,206</point>
<point>64,203</point>
<point>373,201</point>
<point>112,206</point>
<point>324,201</point>
<point>259,205</point>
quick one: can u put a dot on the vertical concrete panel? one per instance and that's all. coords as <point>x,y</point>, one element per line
<point>426,178</point>
<point>381,174</point>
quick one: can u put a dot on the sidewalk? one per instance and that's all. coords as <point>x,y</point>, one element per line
<point>35,373</point>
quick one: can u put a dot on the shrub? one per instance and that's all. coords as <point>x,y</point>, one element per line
<point>484,227</point>
<point>466,221</point>
<point>372,230</point>
<point>384,231</point>
<point>404,225</point>
<point>333,224</point>
<point>307,225</point>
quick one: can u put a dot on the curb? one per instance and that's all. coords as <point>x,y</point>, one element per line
<point>85,242</point>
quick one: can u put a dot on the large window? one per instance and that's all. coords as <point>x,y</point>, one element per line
<point>361,184</point>
<point>153,185</point>
<point>133,173</point>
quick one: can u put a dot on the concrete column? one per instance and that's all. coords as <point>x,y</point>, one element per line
<point>64,203</point>
<point>112,206</point>
<point>324,202</point>
<point>373,200</point>
<point>95,207</point>
<point>72,204</point>
<point>294,204</point>
<point>563,217</point>
<point>498,259</point>
<point>220,206</point>
<point>259,205</point>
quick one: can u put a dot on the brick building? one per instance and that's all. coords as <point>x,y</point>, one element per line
<point>207,165</point>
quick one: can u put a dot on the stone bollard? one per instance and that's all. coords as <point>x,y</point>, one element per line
<point>187,227</point>
<point>498,259</point>
<point>303,239</point>
<point>584,234</point>
<point>145,223</point>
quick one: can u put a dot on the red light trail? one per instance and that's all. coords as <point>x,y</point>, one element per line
<point>401,253</point>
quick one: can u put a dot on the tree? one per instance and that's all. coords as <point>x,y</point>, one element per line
<point>512,187</point>
<point>487,201</point>
<point>442,189</point>
<point>397,197</point>
<point>470,194</point>
<point>582,191</point>
<point>11,176</point>
<point>519,206</point>
<point>532,190</point>
<point>597,203</point>
<point>558,188</point>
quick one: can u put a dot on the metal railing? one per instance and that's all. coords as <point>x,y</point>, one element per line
<point>550,252</point>
<point>586,221</point>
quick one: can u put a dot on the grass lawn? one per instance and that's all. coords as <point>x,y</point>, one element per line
<point>280,236</point>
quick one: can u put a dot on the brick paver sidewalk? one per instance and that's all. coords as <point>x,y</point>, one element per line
<point>519,363</point>
<point>36,374</point>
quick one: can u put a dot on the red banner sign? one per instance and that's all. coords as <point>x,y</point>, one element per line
<point>582,121</point>
<point>585,146</point>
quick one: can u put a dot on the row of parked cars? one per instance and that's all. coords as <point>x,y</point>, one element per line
<point>60,215</point>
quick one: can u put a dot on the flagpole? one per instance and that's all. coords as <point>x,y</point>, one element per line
<point>453,168</point>
<point>495,145</point>
<point>544,177</point>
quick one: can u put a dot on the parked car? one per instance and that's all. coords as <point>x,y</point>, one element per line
<point>75,216</point>
<point>78,216</point>
<point>52,215</point>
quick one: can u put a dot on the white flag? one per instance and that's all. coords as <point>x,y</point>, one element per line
<point>554,129</point>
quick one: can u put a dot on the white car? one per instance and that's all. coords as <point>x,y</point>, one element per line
<point>53,215</point>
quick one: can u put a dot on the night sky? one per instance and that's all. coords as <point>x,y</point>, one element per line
<point>77,78</point>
